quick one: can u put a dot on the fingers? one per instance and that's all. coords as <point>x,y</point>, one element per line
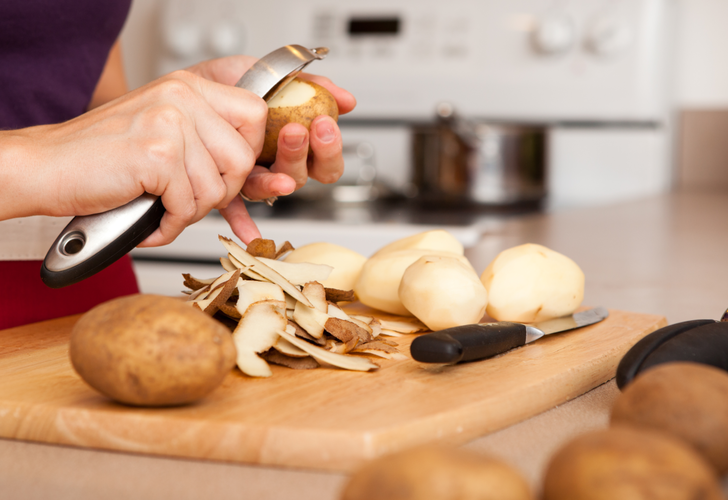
<point>243,110</point>
<point>229,157</point>
<point>229,122</point>
<point>240,221</point>
<point>262,184</point>
<point>292,154</point>
<point>222,129</point>
<point>292,159</point>
<point>225,70</point>
<point>327,164</point>
<point>195,161</point>
<point>190,192</point>
<point>344,100</point>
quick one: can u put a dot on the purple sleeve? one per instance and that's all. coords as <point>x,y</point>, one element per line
<point>52,53</point>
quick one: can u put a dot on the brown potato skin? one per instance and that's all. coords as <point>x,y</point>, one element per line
<point>322,103</point>
<point>630,463</point>
<point>687,400</point>
<point>436,473</point>
<point>150,350</point>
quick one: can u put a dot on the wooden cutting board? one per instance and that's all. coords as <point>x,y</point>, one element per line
<point>317,419</point>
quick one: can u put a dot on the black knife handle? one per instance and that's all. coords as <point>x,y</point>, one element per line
<point>697,340</point>
<point>468,342</point>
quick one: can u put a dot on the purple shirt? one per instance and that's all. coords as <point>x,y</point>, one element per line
<point>52,53</point>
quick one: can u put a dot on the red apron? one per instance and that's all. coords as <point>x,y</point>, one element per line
<point>25,299</point>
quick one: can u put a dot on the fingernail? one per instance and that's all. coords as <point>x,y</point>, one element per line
<point>294,141</point>
<point>325,131</point>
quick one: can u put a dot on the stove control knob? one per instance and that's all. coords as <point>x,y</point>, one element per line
<point>609,37</point>
<point>554,35</point>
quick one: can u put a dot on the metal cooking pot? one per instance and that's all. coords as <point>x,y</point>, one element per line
<point>467,162</point>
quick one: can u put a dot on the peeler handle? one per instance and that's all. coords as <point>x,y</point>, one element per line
<point>91,243</point>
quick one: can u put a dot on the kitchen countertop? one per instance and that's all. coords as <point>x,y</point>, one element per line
<point>664,256</point>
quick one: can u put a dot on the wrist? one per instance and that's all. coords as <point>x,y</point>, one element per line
<point>21,180</point>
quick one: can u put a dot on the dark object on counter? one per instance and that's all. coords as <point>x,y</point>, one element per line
<point>480,341</point>
<point>699,341</point>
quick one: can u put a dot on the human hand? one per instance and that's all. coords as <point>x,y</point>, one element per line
<point>187,139</point>
<point>292,166</point>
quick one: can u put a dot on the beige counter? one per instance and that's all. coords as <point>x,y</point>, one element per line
<point>665,256</point>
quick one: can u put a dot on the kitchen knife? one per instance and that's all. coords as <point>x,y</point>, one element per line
<point>91,243</point>
<point>483,340</point>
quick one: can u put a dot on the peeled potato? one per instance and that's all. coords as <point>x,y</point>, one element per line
<point>531,283</point>
<point>378,283</point>
<point>436,473</point>
<point>347,263</point>
<point>629,463</point>
<point>300,101</point>
<point>150,350</point>
<point>442,292</point>
<point>687,400</point>
<point>436,239</point>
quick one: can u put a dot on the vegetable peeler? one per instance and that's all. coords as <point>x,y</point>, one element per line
<point>90,243</point>
<point>702,341</point>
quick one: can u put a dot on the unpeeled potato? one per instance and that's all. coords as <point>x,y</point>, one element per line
<point>300,101</point>
<point>436,473</point>
<point>347,263</point>
<point>686,400</point>
<point>629,463</point>
<point>150,350</point>
<point>531,283</point>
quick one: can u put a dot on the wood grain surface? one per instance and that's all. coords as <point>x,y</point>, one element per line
<point>322,419</point>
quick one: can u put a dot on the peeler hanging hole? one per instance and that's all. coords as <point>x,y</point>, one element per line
<point>72,243</point>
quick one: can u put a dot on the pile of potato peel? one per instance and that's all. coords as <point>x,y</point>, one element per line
<point>279,312</point>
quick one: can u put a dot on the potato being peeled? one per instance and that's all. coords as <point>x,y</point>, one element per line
<point>531,283</point>
<point>150,350</point>
<point>442,292</point>
<point>300,101</point>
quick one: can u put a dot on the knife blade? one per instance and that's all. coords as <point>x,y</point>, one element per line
<point>484,340</point>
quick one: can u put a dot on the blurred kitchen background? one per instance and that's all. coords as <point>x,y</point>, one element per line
<point>469,111</point>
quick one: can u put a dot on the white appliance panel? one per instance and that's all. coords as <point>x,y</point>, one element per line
<point>598,166</point>
<point>543,60</point>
